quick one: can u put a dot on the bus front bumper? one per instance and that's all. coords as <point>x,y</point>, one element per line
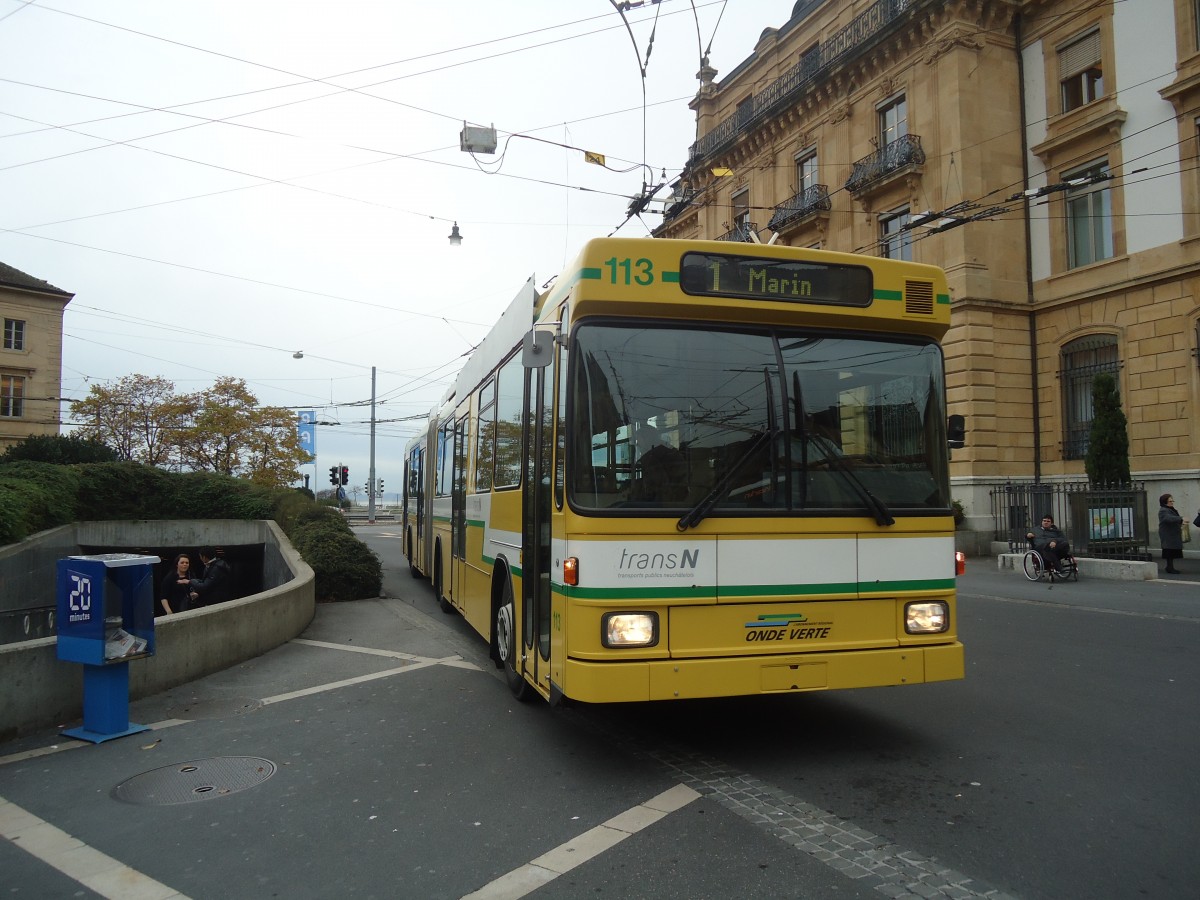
<point>682,679</point>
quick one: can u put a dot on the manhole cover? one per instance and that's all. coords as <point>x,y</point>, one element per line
<point>198,779</point>
<point>215,709</point>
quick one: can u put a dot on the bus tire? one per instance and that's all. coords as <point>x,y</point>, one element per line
<point>446,605</point>
<point>505,638</point>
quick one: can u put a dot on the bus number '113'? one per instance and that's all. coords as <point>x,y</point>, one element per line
<point>641,271</point>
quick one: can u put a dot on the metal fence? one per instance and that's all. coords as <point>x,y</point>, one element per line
<point>1110,523</point>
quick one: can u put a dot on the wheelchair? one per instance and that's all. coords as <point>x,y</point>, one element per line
<point>1036,569</point>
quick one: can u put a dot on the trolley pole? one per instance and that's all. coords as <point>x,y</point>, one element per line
<point>371,475</point>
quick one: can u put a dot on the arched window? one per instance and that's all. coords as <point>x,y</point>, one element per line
<point>1082,360</point>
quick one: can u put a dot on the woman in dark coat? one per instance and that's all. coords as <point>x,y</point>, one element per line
<point>174,597</point>
<point>1170,532</point>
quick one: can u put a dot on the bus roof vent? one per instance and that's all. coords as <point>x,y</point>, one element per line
<point>918,298</point>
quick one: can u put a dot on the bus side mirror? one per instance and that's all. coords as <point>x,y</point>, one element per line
<point>956,431</point>
<point>537,349</point>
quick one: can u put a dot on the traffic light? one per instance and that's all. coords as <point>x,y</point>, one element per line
<point>333,475</point>
<point>345,474</point>
<point>380,487</point>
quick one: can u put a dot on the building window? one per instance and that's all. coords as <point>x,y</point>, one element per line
<point>893,121</point>
<point>895,241</point>
<point>806,170</point>
<point>810,60</point>
<point>745,111</point>
<point>1080,75</point>
<point>12,396</point>
<point>741,208</point>
<point>14,334</point>
<point>1082,361</point>
<point>742,226</point>
<point>1089,216</point>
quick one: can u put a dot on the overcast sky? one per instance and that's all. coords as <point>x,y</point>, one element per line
<point>223,183</point>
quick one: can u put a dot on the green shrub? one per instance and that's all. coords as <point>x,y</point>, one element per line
<point>14,502</point>
<point>345,567</point>
<point>61,449</point>
<point>121,490</point>
<point>40,496</point>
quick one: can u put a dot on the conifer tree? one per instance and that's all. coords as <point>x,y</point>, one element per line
<point>1107,461</point>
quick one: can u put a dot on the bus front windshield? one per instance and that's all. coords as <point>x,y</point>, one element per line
<point>698,422</point>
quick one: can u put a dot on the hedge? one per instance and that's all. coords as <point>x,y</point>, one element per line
<point>36,496</point>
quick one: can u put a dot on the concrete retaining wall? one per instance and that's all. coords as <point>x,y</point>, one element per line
<point>38,691</point>
<point>1115,569</point>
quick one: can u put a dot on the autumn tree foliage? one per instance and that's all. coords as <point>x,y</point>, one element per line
<point>133,415</point>
<point>222,429</point>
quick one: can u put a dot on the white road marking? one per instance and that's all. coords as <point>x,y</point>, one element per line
<point>75,745</point>
<point>333,685</point>
<point>578,850</point>
<point>91,868</point>
<point>111,878</point>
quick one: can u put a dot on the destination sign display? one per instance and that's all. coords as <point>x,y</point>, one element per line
<point>760,278</point>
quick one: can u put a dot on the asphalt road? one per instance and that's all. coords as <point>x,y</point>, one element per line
<point>381,756</point>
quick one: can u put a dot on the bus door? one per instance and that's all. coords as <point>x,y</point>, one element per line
<point>414,510</point>
<point>538,503</point>
<point>458,516</point>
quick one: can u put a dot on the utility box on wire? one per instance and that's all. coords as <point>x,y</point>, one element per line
<point>476,139</point>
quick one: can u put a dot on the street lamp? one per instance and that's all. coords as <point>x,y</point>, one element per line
<point>455,236</point>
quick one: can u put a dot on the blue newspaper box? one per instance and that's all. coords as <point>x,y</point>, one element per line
<point>105,620</point>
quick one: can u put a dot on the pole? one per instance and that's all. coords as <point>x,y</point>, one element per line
<point>372,482</point>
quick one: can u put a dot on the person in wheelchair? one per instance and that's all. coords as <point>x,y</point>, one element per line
<point>1052,544</point>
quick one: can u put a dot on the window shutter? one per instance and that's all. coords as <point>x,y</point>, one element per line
<point>1079,55</point>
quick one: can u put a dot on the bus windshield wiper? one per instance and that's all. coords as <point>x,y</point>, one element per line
<point>883,515</point>
<point>696,514</point>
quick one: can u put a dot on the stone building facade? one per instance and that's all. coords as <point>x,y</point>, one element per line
<point>31,311</point>
<point>1034,150</point>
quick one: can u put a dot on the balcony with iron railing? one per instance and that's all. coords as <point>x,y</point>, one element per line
<point>898,157</point>
<point>854,39</point>
<point>741,232</point>
<point>801,208</point>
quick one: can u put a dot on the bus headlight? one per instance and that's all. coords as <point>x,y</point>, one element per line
<point>629,629</point>
<point>932,617</point>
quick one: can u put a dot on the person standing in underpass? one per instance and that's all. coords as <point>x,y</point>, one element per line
<point>214,586</point>
<point>175,591</point>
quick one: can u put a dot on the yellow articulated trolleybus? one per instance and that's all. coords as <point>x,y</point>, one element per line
<point>700,469</point>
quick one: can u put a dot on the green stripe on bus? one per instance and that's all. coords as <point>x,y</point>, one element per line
<point>563,285</point>
<point>634,594</point>
<point>491,561</point>
<point>590,274</point>
<point>760,590</point>
<point>931,584</point>
<point>944,299</point>
<point>670,277</point>
<point>881,294</point>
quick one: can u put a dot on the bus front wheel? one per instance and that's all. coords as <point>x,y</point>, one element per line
<point>412,562</point>
<point>506,644</point>
<point>446,605</point>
